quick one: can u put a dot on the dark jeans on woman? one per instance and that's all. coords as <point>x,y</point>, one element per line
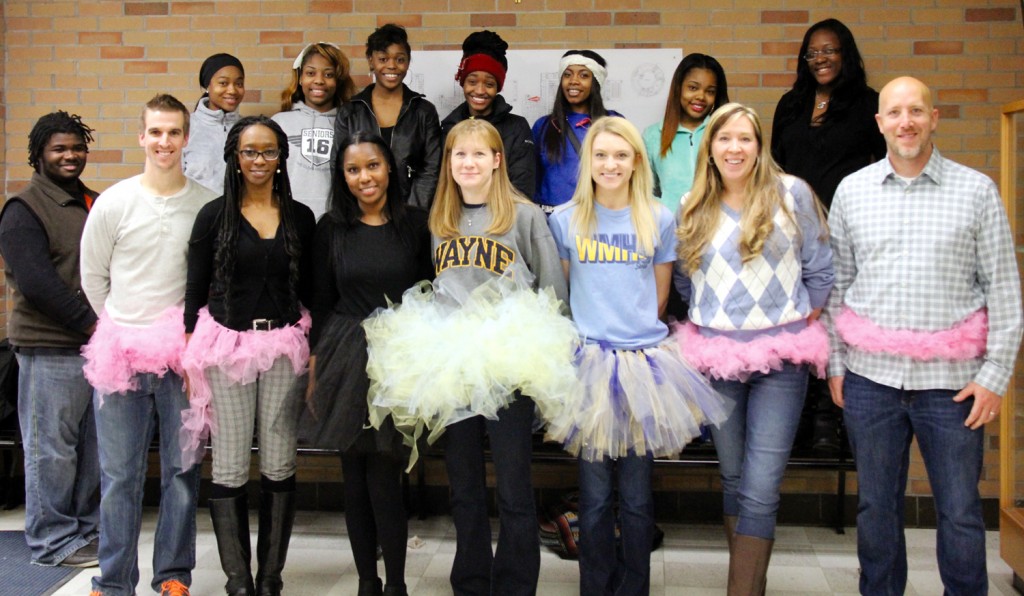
<point>754,443</point>
<point>605,570</point>
<point>514,567</point>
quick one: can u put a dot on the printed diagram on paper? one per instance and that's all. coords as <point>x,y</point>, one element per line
<point>637,84</point>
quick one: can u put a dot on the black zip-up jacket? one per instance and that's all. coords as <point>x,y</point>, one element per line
<point>415,142</point>
<point>521,158</point>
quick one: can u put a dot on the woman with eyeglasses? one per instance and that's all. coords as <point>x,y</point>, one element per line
<point>824,130</point>
<point>824,127</point>
<point>248,272</point>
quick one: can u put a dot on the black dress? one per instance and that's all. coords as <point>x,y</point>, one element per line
<point>826,153</point>
<point>359,270</point>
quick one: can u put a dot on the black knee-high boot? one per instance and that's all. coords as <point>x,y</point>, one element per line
<point>277,513</point>
<point>231,527</point>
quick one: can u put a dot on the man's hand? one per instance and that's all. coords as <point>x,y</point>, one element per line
<point>985,408</point>
<point>835,387</point>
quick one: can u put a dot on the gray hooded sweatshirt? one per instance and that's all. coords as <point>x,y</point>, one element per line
<point>203,157</point>
<point>311,144</point>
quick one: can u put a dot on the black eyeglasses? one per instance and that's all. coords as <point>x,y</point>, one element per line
<point>268,154</point>
<point>813,54</point>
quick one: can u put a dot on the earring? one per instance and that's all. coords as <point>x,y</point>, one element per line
<point>278,170</point>
<point>238,171</point>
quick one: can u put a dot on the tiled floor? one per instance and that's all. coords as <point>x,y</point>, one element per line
<point>693,561</point>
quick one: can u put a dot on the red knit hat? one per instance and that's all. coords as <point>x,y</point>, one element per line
<point>481,62</point>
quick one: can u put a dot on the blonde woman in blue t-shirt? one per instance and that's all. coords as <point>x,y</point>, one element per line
<point>635,398</point>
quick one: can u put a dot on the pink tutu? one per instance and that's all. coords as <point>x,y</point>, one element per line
<point>239,355</point>
<point>728,359</point>
<point>116,353</point>
<point>966,340</point>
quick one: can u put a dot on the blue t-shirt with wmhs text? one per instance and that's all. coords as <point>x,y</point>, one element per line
<point>612,290</point>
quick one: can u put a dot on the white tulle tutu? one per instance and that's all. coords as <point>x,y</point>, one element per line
<point>635,400</point>
<point>438,358</point>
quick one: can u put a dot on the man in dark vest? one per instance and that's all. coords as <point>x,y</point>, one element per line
<point>50,319</point>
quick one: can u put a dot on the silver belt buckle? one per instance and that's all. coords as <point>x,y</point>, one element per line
<point>261,324</point>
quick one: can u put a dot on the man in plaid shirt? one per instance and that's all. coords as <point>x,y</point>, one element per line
<point>924,322</point>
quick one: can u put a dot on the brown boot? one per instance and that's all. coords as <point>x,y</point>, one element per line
<point>730,529</point>
<point>748,565</point>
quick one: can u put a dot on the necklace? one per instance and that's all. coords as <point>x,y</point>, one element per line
<point>821,102</point>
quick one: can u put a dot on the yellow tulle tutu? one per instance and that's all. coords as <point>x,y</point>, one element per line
<point>438,358</point>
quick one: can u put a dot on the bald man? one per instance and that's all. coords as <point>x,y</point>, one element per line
<point>925,323</point>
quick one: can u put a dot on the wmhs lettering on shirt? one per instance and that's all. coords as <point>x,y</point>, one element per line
<point>473,251</point>
<point>610,248</point>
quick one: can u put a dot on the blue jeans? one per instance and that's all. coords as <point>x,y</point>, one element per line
<point>62,467</point>
<point>514,568</point>
<point>125,424</point>
<point>881,422</point>
<point>754,443</point>
<point>602,569</point>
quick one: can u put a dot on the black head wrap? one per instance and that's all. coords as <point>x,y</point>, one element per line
<point>214,63</point>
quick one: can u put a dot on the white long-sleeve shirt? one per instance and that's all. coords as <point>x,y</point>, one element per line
<point>134,247</point>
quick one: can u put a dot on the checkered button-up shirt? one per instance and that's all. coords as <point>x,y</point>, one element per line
<point>923,256</point>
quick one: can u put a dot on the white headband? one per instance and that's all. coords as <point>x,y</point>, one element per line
<point>600,72</point>
<point>298,59</point>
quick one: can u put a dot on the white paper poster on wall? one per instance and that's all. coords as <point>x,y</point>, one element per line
<point>637,83</point>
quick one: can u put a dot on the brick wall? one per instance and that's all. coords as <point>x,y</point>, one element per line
<point>102,59</point>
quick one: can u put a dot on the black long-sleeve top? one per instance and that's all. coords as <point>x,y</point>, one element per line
<point>825,154</point>
<point>361,268</point>
<point>26,248</point>
<point>260,280</point>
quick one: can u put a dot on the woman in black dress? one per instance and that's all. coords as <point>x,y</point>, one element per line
<point>824,127</point>
<point>371,247</point>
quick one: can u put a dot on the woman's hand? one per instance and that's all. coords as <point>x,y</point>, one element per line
<point>311,386</point>
<point>184,375</point>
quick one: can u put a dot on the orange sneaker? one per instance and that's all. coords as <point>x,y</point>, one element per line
<point>173,587</point>
<point>95,593</point>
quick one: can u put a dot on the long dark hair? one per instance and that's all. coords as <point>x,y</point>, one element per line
<point>231,216</point>
<point>554,135</point>
<point>849,85</point>
<point>343,209</point>
<point>674,106</point>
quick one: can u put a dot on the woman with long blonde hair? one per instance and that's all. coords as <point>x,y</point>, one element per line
<point>756,268</point>
<point>474,352</point>
<point>635,398</point>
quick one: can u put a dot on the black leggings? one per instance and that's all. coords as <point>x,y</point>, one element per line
<point>375,514</point>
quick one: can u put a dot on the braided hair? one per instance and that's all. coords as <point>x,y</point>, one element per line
<point>230,219</point>
<point>59,122</point>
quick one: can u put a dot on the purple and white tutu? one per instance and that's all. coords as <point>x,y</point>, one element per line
<point>116,353</point>
<point>648,400</point>
<point>731,360</point>
<point>241,356</point>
